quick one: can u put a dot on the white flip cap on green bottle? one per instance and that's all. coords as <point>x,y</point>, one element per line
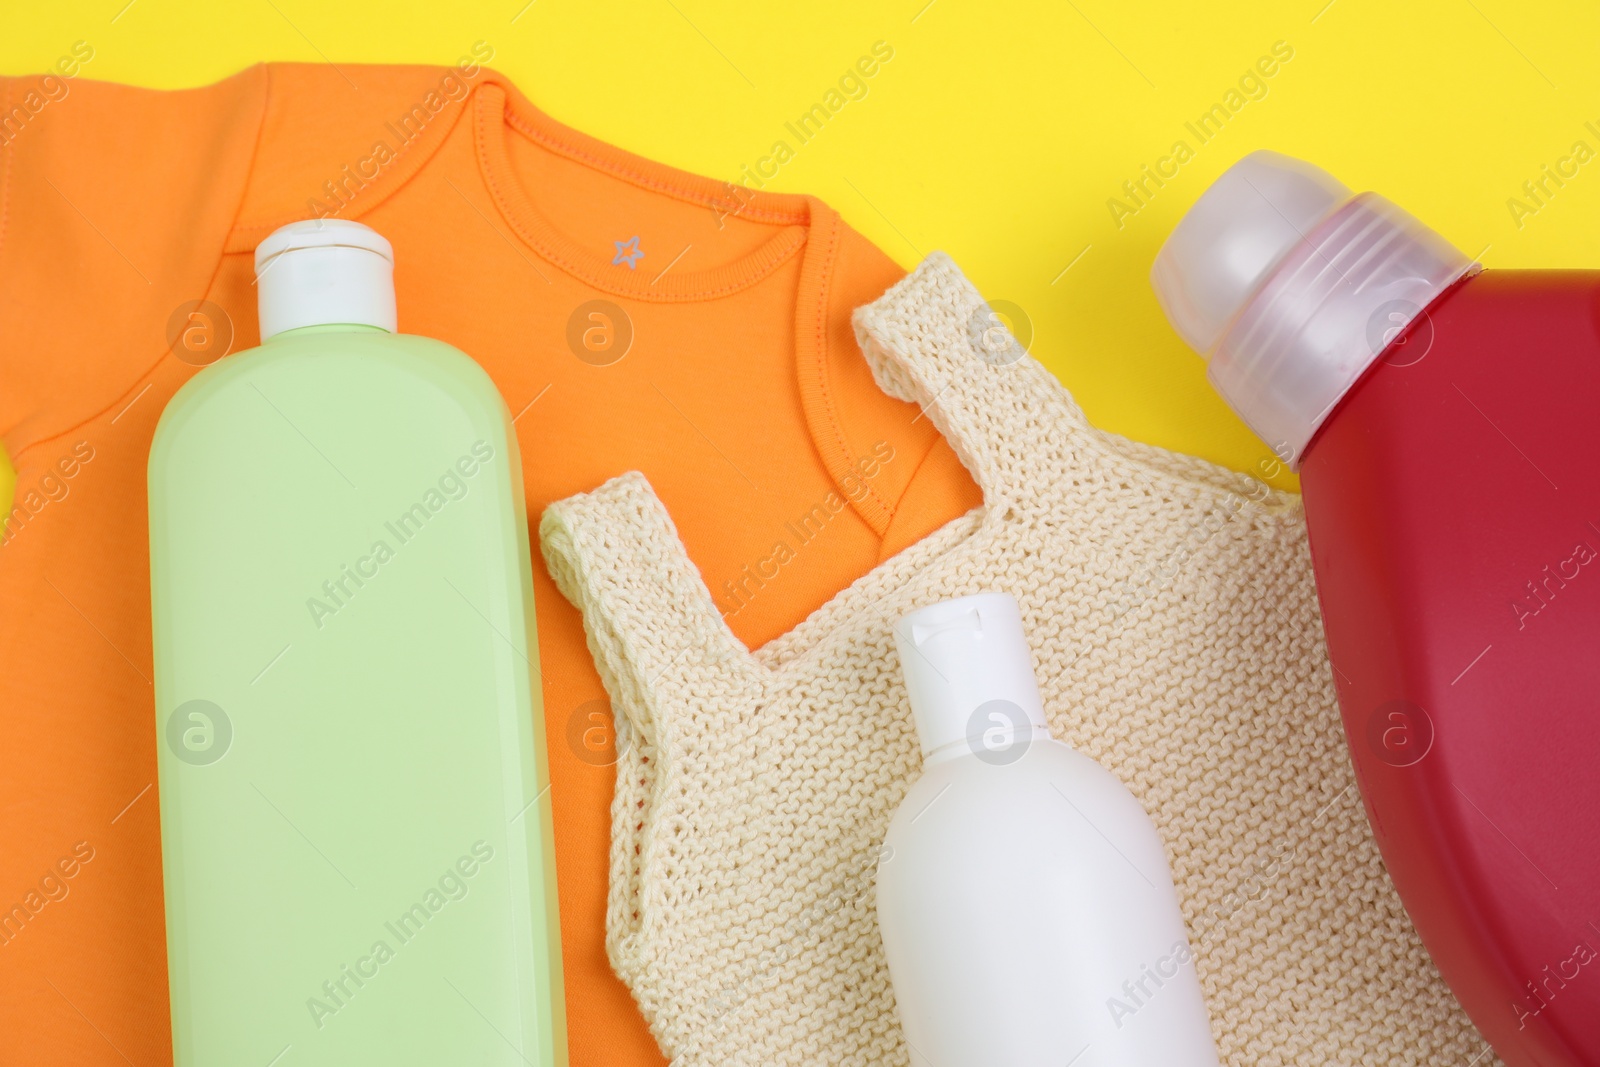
<point>963,655</point>
<point>1291,287</point>
<point>324,272</point>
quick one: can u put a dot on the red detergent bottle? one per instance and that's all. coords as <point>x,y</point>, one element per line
<point>1445,422</point>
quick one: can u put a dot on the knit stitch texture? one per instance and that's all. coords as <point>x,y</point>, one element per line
<point>1174,624</point>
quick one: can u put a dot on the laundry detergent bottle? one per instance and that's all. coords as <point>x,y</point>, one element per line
<point>1444,423</point>
<point>1026,906</point>
<point>355,816</point>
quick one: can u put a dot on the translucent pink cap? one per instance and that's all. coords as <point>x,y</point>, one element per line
<point>1291,287</point>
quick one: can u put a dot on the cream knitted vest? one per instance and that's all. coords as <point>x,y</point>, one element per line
<point>1175,632</point>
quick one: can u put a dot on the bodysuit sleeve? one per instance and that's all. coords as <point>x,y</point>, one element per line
<point>115,203</point>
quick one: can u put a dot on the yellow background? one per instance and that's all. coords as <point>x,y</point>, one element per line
<point>998,132</point>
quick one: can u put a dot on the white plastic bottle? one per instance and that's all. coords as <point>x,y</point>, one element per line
<point>1024,898</point>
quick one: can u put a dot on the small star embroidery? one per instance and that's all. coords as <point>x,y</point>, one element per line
<point>628,252</point>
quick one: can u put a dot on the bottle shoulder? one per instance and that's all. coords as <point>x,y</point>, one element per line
<point>1047,776</point>
<point>1053,823</point>
<point>357,366</point>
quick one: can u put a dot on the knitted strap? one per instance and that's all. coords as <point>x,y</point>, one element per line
<point>663,649</point>
<point>660,646</point>
<point>1004,414</point>
<point>615,553</point>
<point>651,623</point>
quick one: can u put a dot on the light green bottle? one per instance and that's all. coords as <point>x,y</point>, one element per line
<point>355,810</point>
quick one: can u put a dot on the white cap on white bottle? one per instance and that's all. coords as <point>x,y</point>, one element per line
<point>1022,890</point>
<point>322,272</point>
<point>961,655</point>
<point>1291,287</point>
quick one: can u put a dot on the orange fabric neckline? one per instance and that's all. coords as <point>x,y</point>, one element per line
<point>811,229</point>
<point>497,113</point>
<point>811,226</point>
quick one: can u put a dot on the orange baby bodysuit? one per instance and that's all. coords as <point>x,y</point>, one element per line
<point>634,317</point>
